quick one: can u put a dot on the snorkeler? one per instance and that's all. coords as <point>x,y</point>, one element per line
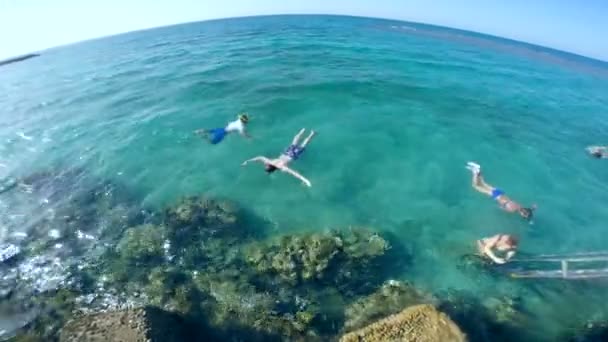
<point>218,134</point>
<point>600,152</point>
<point>504,244</point>
<point>503,201</point>
<point>293,152</point>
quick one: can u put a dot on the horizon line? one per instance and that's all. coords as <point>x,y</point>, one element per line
<point>594,59</point>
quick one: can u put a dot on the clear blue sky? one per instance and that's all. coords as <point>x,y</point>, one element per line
<point>579,26</point>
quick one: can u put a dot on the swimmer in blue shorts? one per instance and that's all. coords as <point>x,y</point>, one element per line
<point>216,135</point>
<point>498,195</point>
<point>293,152</point>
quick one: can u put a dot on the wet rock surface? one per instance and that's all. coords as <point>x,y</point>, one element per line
<point>389,299</point>
<point>422,323</point>
<point>147,324</point>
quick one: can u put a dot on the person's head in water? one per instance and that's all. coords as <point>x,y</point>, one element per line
<point>244,118</point>
<point>597,154</point>
<point>270,168</point>
<point>511,242</point>
<point>527,213</point>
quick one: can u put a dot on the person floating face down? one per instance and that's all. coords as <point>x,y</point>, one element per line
<point>498,195</point>
<point>216,135</point>
<point>293,152</point>
<point>501,244</point>
<point>600,152</point>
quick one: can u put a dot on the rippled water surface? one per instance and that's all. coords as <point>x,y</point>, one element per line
<point>399,109</point>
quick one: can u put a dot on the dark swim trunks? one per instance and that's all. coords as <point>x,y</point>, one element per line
<point>294,151</point>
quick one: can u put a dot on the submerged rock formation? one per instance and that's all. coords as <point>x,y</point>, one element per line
<point>590,332</point>
<point>197,259</point>
<point>338,257</point>
<point>421,323</point>
<point>389,299</point>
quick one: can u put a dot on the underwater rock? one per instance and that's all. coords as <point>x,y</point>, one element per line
<point>495,320</point>
<point>140,249</point>
<point>15,313</point>
<point>207,215</point>
<point>48,312</point>
<point>172,290</point>
<point>422,323</point>
<point>200,230</point>
<point>75,218</point>
<point>591,332</point>
<point>327,257</point>
<point>234,304</point>
<point>42,273</point>
<point>138,325</point>
<point>392,297</point>
<point>505,309</point>
<point>142,245</point>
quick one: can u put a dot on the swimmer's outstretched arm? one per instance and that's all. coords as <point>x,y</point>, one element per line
<point>297,175</point>
<point>487,250</point>
<point>259,158</point>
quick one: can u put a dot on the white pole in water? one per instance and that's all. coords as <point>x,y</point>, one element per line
<point>565,268</point>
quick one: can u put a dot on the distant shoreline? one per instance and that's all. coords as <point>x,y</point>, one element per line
<point>18,59</point>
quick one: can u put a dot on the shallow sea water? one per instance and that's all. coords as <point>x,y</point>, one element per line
<point>399,109</point>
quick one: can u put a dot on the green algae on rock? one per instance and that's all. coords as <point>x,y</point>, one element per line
<point>53,308</point>
<point>298,259</point>
<point>233,302</point>
<point>142,245</point>
<point>209,216</point>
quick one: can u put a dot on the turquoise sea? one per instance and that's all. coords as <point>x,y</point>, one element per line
<point>399,109</point>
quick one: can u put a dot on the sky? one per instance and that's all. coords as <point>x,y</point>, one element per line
<point>578,26</point>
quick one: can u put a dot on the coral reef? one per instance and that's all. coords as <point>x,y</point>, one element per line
<point>197,215</point>
<point>196,259</point>
<point>298,259</point>
<point>142,245</point>
<point>422,323</point>
<point>234,302</point>
<point>140,248</point>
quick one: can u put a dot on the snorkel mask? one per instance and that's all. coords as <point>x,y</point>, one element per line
<point>244,118</point>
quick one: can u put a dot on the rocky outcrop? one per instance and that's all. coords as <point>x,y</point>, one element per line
<point>388,299</point>
<point>420,323</point>
<point>137,325</point>
<point>18,59</point>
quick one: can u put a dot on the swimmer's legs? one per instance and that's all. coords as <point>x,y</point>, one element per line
<point>201,132</point>
<point>308,139</point>
<point>296,139</point>
<point>479,183</point>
